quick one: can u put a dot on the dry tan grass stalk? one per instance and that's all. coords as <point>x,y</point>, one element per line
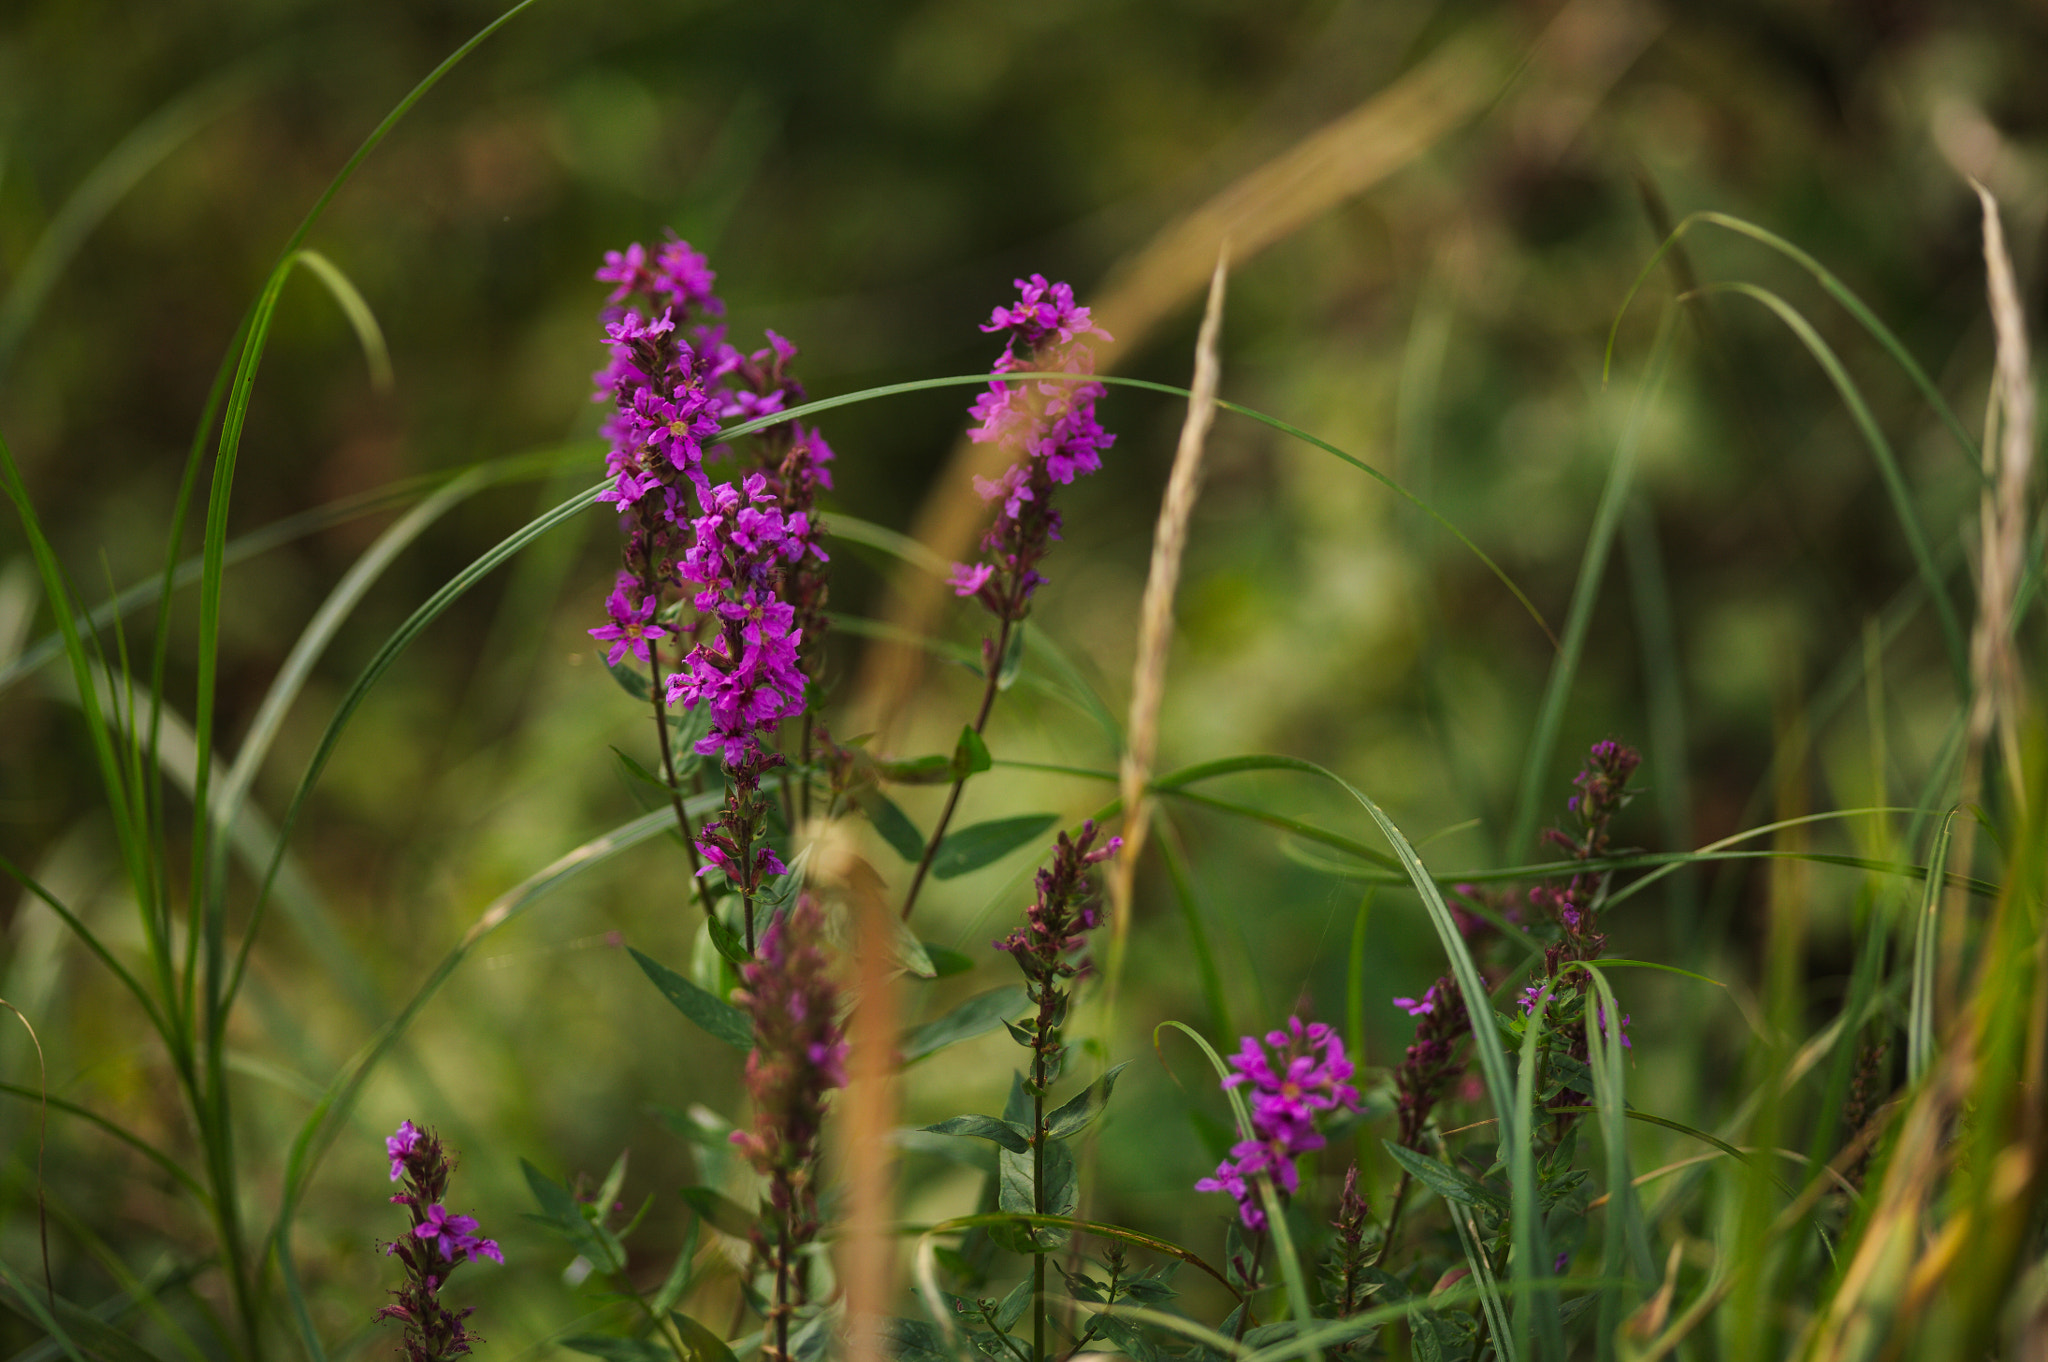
<point>1997,696</point>
<point>866,1252</point>
<point>1579,54</point>
<point>1155,616</point>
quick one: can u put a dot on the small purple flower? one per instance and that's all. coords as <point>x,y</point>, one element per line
<point>399,1145</point>
<point>454,1236</point>
<point>630,628</point>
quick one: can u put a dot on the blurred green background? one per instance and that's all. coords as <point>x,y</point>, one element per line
<point>866,180</point>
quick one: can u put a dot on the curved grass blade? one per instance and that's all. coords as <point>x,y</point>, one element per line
<point>1152,1243</point>
<point>901,546</point>
<point>145,147</point>
<point>1625,1254</point>
<point>1835,289</point>
<point>1920,1005</point>
<point>356,309</point>
<point>1526,1228</point>
<point>1887,465</point>
<point>512,468</point>
<point>298,666</point>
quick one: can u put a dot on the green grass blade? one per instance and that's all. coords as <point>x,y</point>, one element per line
<point>1625,1252</point>
<point>1181,881</point>
<point>1531,1255</point>
<point>1920,1005</point>
<point>82,653</point>
<point>171,1166</point>
<point>1530,799</point>
<point>898,546</point>
<point>184,572</point>
<point>92,943</point>
<point>1887,465</point>
<point>142,150</point>
<point>298,666</point>
<point>356,309</point>
<point>1835,289</point>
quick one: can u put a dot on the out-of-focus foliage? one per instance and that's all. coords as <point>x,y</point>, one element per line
<point>866,179</point>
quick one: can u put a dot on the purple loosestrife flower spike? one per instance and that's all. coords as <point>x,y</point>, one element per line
<point>1431,1065</point>
<point>661,417</point>
<point>1298,1075</point>
<point>1050,423</point>
<point>1602,785</point>
<point>799,1055</point>
<point>437,1244</point>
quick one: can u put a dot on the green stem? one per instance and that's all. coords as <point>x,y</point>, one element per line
<point>659,692</point>
<point>993,665</point>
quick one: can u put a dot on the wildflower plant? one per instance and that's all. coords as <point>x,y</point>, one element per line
<point>1441,1195</point>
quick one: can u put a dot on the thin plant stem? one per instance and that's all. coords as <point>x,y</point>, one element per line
<point>993,661</point>
<point>1251,1285</point>
<point>1393,1220</point>
<point>659,693</point>
<point>1038,1079</point>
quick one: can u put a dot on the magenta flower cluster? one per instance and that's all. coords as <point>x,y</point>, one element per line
<point>1297,1076</point>
<point>747,672</point>
<point>746,550</point>
<point>1051,422</point>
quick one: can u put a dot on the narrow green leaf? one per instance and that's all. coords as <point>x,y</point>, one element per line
<point>1013,659</point>
<point>704,1345</point>
<point>631,680</point>
<point>947,962</point>
<point>970,757</point>
<point>725,940</point>
<point>982,844</point>
<point>615,1349</point>
<point>1076,1116</point>
<point>1009,1135</point>
<point>1447,1182</point>
<point>932,770</point>
<point>722,1213</point>
<point>979,1015</point>
<point>561,1213</point>
<point>1012,1307</point>
<point>716,1016</point>
<point>892,824</point>
<point>1062,1190</point>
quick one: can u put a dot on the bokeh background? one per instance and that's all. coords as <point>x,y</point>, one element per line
<point>1438,211</point>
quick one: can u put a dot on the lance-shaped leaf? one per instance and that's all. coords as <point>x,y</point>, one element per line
<point>560,1212</point>
<point>721,1212</point>
<point>1008,1134</point>
<point>713,1014</point>
<point>1446,1181</point>
<point>1074,1117</point>
<point>704,1345</point>
<point>893,824</point>
<point>982,1013</point>
<point>971,848</point>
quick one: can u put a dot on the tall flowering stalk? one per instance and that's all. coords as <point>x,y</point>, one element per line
<point>435,1246</point>
<point>1047,948</point>
<point>750,550</point>
<point>799,1055</point>
<point>1574,905</point>
<point>662,413</point>
<point>1050,425</point>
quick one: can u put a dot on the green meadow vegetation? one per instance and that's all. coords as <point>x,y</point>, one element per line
<point>1445,765</point>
